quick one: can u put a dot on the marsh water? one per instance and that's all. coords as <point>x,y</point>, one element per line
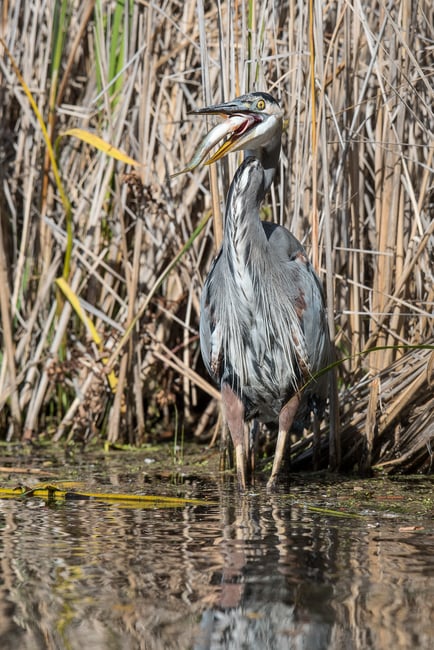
<point>328,562</point>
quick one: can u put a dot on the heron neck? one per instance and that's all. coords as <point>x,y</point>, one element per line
<point>269,159</point>
<point>243,231</point>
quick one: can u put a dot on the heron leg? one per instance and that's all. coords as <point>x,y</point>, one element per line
<point>233,410</point>
<point>286,418</point>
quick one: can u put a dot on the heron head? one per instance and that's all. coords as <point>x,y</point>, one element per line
<point>251,122</point>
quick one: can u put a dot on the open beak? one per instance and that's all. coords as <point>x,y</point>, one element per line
<point>237,124</point>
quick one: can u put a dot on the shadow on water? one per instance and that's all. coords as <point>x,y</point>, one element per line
<point>282,571</point>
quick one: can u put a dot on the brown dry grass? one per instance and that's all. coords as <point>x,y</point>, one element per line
<point>355,184</point>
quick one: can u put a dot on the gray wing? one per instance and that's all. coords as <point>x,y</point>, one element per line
<point>314,316</point>
<point>282,240</point>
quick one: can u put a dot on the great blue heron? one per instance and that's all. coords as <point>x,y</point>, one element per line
<point>263,327</point>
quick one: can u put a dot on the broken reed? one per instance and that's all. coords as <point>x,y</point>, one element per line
<point>354,184</point>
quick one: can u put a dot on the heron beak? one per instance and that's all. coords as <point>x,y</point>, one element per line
<point>237,123</point>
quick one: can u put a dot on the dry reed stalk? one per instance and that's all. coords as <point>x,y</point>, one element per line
<point>8,367</point>
<point>131,73</point>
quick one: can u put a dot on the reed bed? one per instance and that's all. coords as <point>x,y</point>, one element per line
<point>102,262</point>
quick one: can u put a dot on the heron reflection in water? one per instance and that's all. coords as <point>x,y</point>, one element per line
<point>263,329</point>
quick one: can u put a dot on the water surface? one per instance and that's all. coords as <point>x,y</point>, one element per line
<point>329,563</point>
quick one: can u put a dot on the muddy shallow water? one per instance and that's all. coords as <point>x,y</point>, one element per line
<point>328,563</point>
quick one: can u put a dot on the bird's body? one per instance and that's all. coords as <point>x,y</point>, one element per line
<point>258,314</point>
<point>263,327</point>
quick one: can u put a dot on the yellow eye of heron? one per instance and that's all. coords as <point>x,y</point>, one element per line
<point>260,104</point>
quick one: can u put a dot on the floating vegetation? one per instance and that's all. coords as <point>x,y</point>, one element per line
<point>53,492</point>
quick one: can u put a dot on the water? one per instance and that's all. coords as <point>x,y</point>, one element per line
<point>329,564</point>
